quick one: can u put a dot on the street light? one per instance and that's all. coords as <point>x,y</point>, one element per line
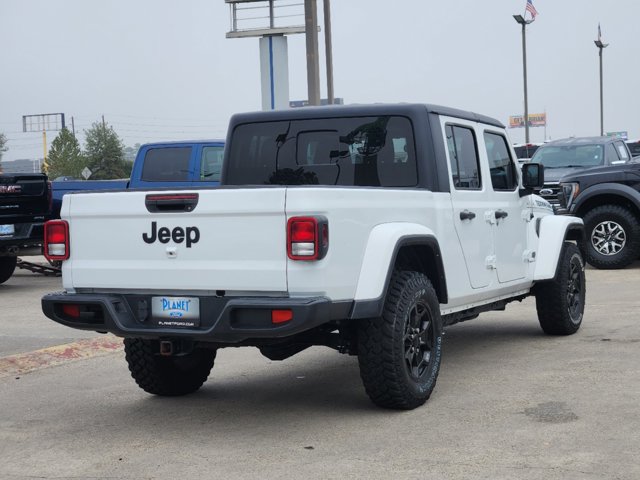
<point>601,46</point>
<point>521,20</point>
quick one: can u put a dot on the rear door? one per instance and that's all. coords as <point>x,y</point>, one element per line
<point>470,197</point>
<point>230,240</point>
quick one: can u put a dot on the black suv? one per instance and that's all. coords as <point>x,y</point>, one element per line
<point>573,155</point>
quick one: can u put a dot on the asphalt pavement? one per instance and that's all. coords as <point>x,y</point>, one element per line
<point>510,403</point>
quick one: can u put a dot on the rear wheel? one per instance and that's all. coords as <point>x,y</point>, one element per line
<point>7,267</point>
<point>612,237</point>
<point>560,302</point>
<point>168,376</point>
<point>400,352</point>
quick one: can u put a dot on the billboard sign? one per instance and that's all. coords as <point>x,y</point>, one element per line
<point>535,120</point>
<point>620,135</point>
<point>43,122</point>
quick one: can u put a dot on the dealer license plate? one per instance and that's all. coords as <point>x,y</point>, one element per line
<point>175,311</point>
<point>7,230</point>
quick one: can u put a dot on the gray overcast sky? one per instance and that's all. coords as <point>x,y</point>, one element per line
<point>161,69</point>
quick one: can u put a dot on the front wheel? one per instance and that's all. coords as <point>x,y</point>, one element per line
<point>560,302</point>
<point>612,237</point>
<point>7,267</point>
<point>400,352</point>
<point>167,376</point>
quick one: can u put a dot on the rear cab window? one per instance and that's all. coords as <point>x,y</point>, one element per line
<point>353,151</point>
<point>166,164</point>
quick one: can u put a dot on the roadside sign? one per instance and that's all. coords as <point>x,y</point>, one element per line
<point>621,135</point>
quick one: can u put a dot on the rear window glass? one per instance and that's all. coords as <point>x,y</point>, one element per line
<point>361,151</point>
<point>166,164</point>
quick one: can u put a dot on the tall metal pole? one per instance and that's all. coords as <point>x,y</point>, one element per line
<point>601,46</point>
<point>521,20</point>
<point>328,50</point>
<point>524,73</point>
<point>313,64</point>
<point>601,97</point>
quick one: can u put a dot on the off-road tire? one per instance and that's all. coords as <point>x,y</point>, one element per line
<point>617,220</point>
<point>7,267</point>
<point>394,376</point>
<point>167,376</point>
<point>560,302</point>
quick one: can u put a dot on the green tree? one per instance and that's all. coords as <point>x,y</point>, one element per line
<point>105,153</point>
<point>3,147</point>
<point>65,157</point>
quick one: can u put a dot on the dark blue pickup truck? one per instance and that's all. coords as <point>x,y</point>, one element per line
<point>184,163</point>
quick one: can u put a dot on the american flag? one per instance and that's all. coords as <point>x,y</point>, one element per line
<point>531,9</point>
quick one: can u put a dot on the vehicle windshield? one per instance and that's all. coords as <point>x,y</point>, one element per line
<point>570,156</point>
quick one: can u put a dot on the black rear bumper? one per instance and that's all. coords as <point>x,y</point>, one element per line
<point>221,319</point>
<point>26,237</point>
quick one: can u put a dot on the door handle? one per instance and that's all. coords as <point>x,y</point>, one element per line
<point>467,215</point>
<point>501,214</point>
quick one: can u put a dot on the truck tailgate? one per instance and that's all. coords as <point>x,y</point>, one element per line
<point>23,196</point>
<point>233,240</point>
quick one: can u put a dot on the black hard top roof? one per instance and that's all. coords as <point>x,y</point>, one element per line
<point>332,111</point>
<point>579,141</point>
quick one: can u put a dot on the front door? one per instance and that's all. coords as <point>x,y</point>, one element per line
<point>509,211</point>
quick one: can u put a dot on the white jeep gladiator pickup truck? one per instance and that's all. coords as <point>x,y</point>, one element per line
<point>362,228</point>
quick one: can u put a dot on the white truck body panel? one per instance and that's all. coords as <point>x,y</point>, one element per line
<point>241,245</point>
<point>553,229</point>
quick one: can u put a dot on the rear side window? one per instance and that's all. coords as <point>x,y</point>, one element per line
<point>361,151</point>
<point>503,170</point>
<point>166,164</point>
<point>211,163</point>
<point>622,151</point>
<point>463,157</point>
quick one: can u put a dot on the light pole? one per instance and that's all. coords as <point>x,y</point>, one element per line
<point>601,46</point>
<point>313,65</point>
<point>521,20</point>
<point>328,50</point>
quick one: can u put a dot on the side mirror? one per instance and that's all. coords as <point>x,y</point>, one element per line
<point>532,175</point>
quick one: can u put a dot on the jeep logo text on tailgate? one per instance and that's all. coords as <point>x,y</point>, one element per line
<point>190,235</point>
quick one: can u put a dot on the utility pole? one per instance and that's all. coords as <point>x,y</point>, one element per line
<point>601,46</point>
<point>313,64</point>
<point>73,128</point>
<point>328,49</point>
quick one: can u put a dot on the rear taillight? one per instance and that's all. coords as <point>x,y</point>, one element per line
<point>56,240</point>
<point>307,238</point>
